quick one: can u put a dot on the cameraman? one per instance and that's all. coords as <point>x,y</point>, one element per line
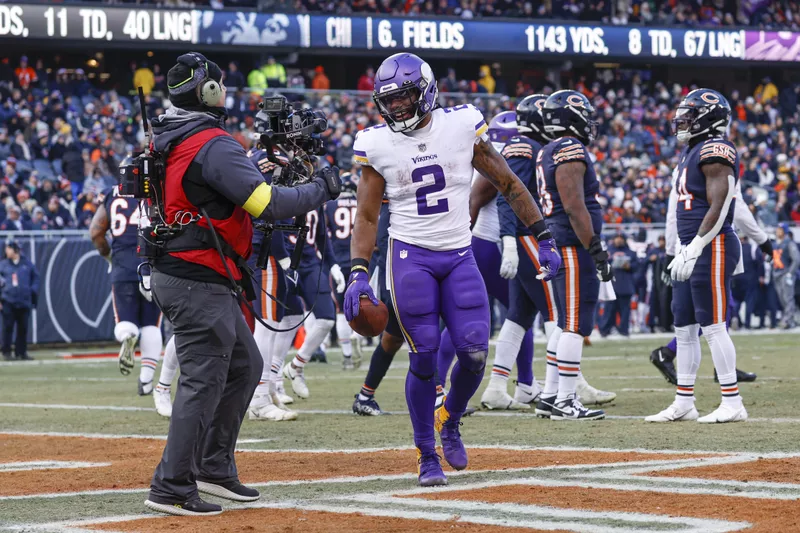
<point>208,176</point>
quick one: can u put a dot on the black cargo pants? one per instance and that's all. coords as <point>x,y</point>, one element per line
<point>220,367</point>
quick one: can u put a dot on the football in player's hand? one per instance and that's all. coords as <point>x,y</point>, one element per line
<point>371,319</point>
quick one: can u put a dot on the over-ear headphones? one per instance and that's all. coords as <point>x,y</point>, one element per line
<point>208,90</point>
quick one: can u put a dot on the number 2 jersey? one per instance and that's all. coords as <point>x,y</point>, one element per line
<point>428,174</point>
<point>123,217</point>
<point>549,158</point>
<point>691,184</point>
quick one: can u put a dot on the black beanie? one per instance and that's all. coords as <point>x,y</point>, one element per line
<point>186,75</point>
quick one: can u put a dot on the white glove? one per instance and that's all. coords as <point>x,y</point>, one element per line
<point>510,264</point>
<point>790,279</point>
<point>682,266</point>
<point>144,288</point>
<point>338,278</point>
<point>284,263</point>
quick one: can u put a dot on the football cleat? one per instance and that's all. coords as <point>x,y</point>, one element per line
<point>295,375</point>
<point>528,398</point>
<point>494,398</point>
<point>126,354</point>
<point>284,398</point>
<point>163,401</point>
<point>367,407</point>
<point>195,507</point>
<point>741,376</point>
<point>675,413</point>
<point>725,413</point>
<point>145,389</point>
<point>591,396</point>
<point>544,407</point>
<point>429,470</point>
<point>452,447</point>
<point>347,364</point>
<point>358,353</point>
<point>663,359</point>
<point>573,409</point>
<point>318,356</point>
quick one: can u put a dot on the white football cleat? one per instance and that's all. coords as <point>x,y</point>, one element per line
<point>126,354</point>
<point>262,408</point>
<point>528,398</point>
<point>499,399</point>
<point>281,392</point>
<point>725,413</point>
<point>591,396</point>
<point>675,413</point>
<point>298,380</point>
<point>163,401</point>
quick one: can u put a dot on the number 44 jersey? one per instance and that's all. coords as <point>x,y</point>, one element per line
<point>123,217</point>
<point>428,174</point>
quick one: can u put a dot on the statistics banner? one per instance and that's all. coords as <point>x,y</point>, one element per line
<point>128,25</point>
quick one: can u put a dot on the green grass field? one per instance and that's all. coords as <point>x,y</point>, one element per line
<point>52,395</point>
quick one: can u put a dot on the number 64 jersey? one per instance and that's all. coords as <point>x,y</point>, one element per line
<point>428,175</point>
<point>123,218</point>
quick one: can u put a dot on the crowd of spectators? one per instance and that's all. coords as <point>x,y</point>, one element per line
<point>62,140</point>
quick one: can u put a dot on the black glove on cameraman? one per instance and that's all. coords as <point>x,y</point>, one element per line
<point>330,177</point>
<point>597,248</point>
<point>766,249</point>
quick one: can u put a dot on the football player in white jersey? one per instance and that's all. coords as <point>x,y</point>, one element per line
<point>423,159</point>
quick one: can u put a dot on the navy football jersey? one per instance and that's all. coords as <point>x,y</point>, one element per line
<point>520,153</point>
<point>555,153</point>
<point>341,216</point>
<point>692,202</point>
<point>316,242</point>
<point>123,217</point>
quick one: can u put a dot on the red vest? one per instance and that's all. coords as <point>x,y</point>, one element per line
<point>237,230</point>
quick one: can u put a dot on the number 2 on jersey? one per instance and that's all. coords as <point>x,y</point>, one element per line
<point>120,222</point>
<point>683,193</point>
<point>423,207</point>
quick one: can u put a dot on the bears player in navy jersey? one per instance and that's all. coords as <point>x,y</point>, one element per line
<point>275,307</point>
<point>708,171</point>
<point>568,188</point>
<point>340,215</point>
<point>318,261</point>
<point>137,317</point>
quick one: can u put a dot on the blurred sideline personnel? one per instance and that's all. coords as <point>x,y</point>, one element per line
<point>568,188</point>
<point>663,358</point>
<point>19,285</point>
<point>430,266</point>
<point>208,176</point>
<point>785,265</point>
<point>138,318</point>
<point>707,175</point>
<point>340,215</point>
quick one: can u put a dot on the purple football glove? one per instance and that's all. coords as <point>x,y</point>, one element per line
<point>549,259</point>
<point>357,284</point>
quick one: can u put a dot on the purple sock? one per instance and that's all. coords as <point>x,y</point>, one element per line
<point>525,359</point>
<point>673,345</point>
<point>447,352</point>
<point>421,398</point>
<point>464,383</point>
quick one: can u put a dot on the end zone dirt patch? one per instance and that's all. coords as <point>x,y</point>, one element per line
<point>785,470</point>
<point>767,516</point>
<point>290,520</point>
<point>133,461</point>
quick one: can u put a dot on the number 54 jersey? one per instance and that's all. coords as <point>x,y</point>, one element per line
<point>123,218</point>
<point>428,175</point>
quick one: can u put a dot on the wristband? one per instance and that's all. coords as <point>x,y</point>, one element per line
<point>359,264</point>
<point>540,231</point>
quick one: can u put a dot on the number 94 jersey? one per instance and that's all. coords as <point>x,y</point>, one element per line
<point>123,218</point>
<point>428,173</point>
<point>691,184</point>
<point>554,154</point>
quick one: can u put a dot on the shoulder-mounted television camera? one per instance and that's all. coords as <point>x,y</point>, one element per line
<point>296,131</point>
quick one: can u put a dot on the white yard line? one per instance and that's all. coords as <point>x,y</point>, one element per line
<point>47,465</point>
<point>83,435</point>
<point>75,407</point>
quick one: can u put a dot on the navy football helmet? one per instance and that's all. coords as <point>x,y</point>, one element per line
<point>703,113</point>
<point>569,113</point>
<point>530,121</point>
